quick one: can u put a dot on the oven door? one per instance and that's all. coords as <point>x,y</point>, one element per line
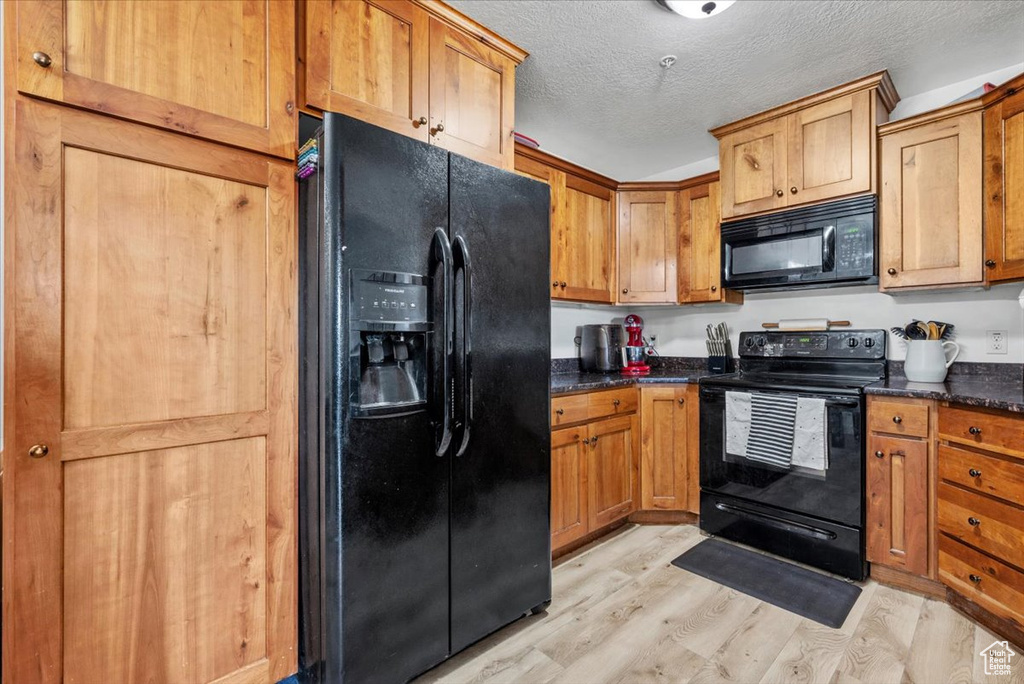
<point>778,256</point>
<point>834,494</point>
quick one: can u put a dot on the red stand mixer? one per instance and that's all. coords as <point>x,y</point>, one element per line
<point>634,352</point>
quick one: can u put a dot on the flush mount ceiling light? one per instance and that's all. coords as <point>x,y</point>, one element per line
<point>696,9</point>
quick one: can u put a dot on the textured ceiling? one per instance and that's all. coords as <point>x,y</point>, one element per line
<point>592,90</point>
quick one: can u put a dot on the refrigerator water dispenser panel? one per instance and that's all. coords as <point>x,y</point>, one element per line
<point>389,351</point>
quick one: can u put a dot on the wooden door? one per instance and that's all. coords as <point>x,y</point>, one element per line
<point>753,169</point>
<point>931,204</point>
<point>829,152</point>
<point>570,517</point>
<point>647,249</point>
<point>700,246</point>
<point>586,242</point>
<point>611,469</point>
<point>668,464</point>
<point>531,168</point>
<point>472,97</point>
<point>369,59</point>
<point>1004,189</point>
<point>222,70</point>
<point>897,503</point>
<point>150,470</point>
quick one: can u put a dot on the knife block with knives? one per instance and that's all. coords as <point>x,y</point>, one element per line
<point>719,349</point>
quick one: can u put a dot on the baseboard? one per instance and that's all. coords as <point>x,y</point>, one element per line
<point>908,581</point>
<point>1000,626</point>
<point>663,518</point>
<point>589,538</point>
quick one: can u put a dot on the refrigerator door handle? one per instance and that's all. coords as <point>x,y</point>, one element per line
<point>464,263</point>
<point>442,252</point>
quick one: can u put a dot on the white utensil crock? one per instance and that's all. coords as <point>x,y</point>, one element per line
<point>926,360</point>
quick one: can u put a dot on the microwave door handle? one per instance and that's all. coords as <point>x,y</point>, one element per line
<point>828,249</point>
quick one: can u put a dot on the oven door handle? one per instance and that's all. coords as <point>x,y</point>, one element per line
<point>713,393</point>
<point>775,521</point>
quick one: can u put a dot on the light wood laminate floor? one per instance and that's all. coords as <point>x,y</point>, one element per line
<point>622,613</point>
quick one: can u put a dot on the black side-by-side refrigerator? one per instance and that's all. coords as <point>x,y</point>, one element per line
<point>424,410</point>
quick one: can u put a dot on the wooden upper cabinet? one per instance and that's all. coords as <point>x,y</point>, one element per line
<point>830,149</point>
<point>669,463</point>
<point>155,357</point>
<point>931,205</point>
<point>647,246</point>
<point>223,70</point>
<point>369,59</point>
<point>1004,185</point>
<point>753,163</point>
<point>700,246</point>
<point>472,97</point>
<point>818,148</point>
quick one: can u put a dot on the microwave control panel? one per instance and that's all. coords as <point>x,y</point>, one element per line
<point>855,246</point>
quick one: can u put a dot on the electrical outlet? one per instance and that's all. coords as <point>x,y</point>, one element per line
<point>995,341</point>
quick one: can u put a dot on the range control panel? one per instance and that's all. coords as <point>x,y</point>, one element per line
<point>830,344</point>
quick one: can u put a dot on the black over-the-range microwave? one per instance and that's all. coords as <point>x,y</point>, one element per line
<point>823,246</point>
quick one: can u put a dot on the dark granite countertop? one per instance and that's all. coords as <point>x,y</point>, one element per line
<point>1006,395</point>
<point>564,383</point>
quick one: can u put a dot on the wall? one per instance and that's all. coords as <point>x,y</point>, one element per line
<point>680,329</point>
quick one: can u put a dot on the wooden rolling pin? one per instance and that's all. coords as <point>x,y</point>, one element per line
<point>802,324</point>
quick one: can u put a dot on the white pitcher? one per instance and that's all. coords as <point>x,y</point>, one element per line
<point>927,361</point>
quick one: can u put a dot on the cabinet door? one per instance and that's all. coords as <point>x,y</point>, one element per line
<point>830,149</point>
<point>1004,189</point>
<point>570,502</point>
<point>897,503</point>
<point>586,242</point>
<point>472,97</point>
<point>222,70</point>
<point>931,202</point>
<point>648,234</point>
<point>668,474</point>
<point>369,59</point>
<point>612,466</point>
<point>753,163</point>
<point>531,168</point>
<point>700,247</point>
<point>153,536</point>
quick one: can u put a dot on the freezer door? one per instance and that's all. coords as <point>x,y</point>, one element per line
<point>383,505</point>
<point>501,463</point>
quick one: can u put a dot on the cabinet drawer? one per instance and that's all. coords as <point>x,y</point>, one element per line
<point>999,477</point>
<point>987,524</point>
<point>569,410</point>
<point>988,430</point>
<point>898,418</point>
<point>989,583</point>
<point>612,402</point>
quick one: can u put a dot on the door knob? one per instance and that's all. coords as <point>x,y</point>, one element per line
<point>554,284</point>
<point>897,419</point>
<point>793,189</point>
<point>973,522</point>
<point>586,441</point>
<point>562,284</point>
<point>422,121</point>
<point>974,472</point>
<point>615,402</point>
<point>42,59</point>
<point>714,288</point>
<point>560,412</point>
<point>974,578</point>
<point>974,430</point>
<point>593,440</point>
<point>625,290</point>
<point>681,401</point>
<point>879,454</point>
<point>779,193</point>
<point>891,271</point>
<point>439,128</point>
<point>38,450</point>
<point>990,263</point>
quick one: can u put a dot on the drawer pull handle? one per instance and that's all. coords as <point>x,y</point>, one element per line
<point>974,578</point>
<point>974,472</point>
<point>560,412</point>
<point>879,454</point>
<point>897,419</point>
<point>974,430</point>
<point>615,402</point>
<point>973,522</point>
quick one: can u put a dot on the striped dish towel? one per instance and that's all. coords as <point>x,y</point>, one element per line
<point>772,422</point>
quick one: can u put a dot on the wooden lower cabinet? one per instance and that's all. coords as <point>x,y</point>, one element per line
<point>612,469</point>
<point>669,451</point>
<point>899,489</point>
<point>570,500</point>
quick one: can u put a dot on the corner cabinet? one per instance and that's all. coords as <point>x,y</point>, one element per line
<point>1004,183</point>
<point>818,148</point>
<point>670,448</point>
<point>420,68</point>
<point>222,70</point>
<point>930,205</point>
<point>648,233</point>
<point>699,267</point>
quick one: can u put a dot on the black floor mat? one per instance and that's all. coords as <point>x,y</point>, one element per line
<point>790,587</point>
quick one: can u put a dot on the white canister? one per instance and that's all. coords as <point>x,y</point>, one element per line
<point>927,360</point>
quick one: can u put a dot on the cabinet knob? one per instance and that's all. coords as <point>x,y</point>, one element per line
<point>990,263</point>
<point>714,288</point>
<point>974,430</point>
<point>615,402</point>
<point>560,412</point>
<point>593,440</point>
<point>974,578</point>
<point>892,271</point>
<point>439,128</point>
<point>681,401</point>
<point>625,290</point>
<point>879,454</point>
<point>38,451</point>
<point>562,284</point>
<point>793,189</point>
<point>422,121</point>
<point>554,284</point>
<point>779,193</point>
<point>586,441</point>
<point>897,419</point>
<point>42,59</point>
<point>973,522</point>
<point>974,472</point>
